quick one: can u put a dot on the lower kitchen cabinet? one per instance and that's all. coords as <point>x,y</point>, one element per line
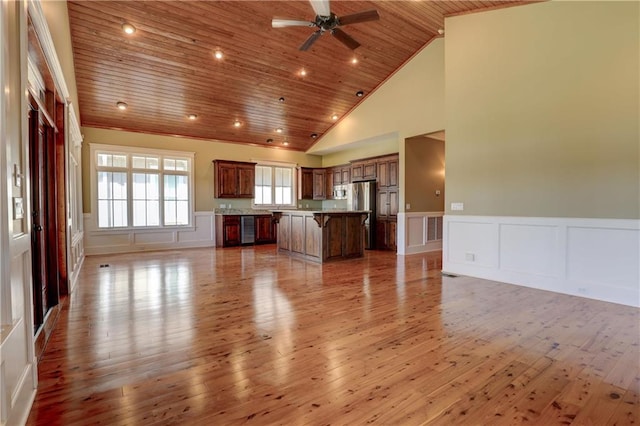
<point>229,229</point>
<point>265,229</point>
<point>386,234</point>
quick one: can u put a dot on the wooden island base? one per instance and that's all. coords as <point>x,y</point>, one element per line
<point>321,236</point>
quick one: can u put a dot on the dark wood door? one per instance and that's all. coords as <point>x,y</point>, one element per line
<point>38,207</point>
<point>246,181</point>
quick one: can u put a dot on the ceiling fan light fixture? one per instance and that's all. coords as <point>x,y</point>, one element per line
<point>121,105</point>
<point>192,116</point>
<point>128,28</point>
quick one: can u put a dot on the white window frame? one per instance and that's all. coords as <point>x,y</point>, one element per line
<point>96,148</point>
<point>294,183</point>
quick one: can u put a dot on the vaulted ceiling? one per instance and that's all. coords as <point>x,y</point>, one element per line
<point>167,70</point>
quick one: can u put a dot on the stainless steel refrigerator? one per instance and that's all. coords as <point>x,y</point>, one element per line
<point>362,196</point>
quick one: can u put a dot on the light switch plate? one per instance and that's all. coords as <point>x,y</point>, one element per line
<point>457,206</point>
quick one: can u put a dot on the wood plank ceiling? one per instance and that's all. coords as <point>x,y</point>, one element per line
<point>166,70</point>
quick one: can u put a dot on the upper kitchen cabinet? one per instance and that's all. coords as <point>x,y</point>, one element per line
<point>388,171</point>
<point>363,170</point>
<point>234,179</point>
<point>312,184</point>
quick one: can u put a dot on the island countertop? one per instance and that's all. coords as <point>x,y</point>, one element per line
<point>321,235</point>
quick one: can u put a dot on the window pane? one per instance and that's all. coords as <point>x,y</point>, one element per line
<point>182,188</point>
<point>182,215</point>
<point>182,165</point>
<point>169,187</point>
<point>119,187</point>
<point>104,185</point>
<point>139,186</point>
<point>138,162</point>
<point>266,194</point>
<point>119,161</point>
<point>153,187</point>
<point>104,213</point>
<point>105,160</point>
<point>169,212</point>
<point>139,213</point>
<point>169,164</point>
<point>153,163</point>
<point>119,213</point>
<point>153,213</point>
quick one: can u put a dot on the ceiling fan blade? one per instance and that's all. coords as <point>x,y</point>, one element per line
<point>312,39</point>
<point>369,15</point>
<point>321,7</point>
<point>282,23</point>
<point>345,38</point>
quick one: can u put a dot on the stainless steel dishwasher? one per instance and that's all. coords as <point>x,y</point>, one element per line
<point>247,230</point>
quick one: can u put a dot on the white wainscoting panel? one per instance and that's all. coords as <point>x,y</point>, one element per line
<point>594,258</point>
<point>419,232</point>
<point>105,242</point>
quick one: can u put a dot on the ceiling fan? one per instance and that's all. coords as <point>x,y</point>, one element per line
<point>326,21</point>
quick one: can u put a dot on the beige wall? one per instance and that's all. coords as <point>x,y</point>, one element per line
<point>57,15</point>
<point>205,153</point>
<point>543,109</point>
<point>424,174</point>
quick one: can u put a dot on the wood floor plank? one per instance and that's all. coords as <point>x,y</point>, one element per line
<point>244,335</point>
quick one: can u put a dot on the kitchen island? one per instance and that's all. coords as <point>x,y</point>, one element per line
<point>321,235</point>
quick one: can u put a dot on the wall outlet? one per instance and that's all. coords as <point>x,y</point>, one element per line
<point>470,257</point>
<point>457,206</point>
<point>408,206</point>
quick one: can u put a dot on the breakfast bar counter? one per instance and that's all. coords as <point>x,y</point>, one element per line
<point>321,235</point>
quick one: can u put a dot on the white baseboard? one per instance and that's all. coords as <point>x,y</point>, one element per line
<point>593,258</point>
<point>105,242</point>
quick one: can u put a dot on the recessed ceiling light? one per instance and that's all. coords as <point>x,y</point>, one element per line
<point>285,143</point>
<point>281,99</point>
<point>303,72</point>
<point>237,123</point>
<point>334,117</point>
<point>218,54</point>
<point>121,105</point>
<point>314,135</point>
<point>440,31</point>
<point>279,130</point>
<point>354,61</point>
<point>359,93</point>
<point>128,28</point>
<point>269,140</point>
<point>192,116</point>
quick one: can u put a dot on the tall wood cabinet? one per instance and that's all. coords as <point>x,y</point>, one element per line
<point>387,202</point>
<point>234,179</point>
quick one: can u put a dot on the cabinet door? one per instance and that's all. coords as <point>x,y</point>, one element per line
<point>369,170</point>
<point>381,234</point>
<point>246,181</point>
<point>305,184</point>
<point>337,176</point>
<point>392,235</point>
<point>319,185</point>
<point>330,182</point>
<point>357,170</point>
<point>383,174</point>
<point>393,199</point>
<point>227,181</point>
<point>383,203</point>
<point>393,172</point>
<point>231,231</point>
<point>346,175</point>
<point>264,229</point>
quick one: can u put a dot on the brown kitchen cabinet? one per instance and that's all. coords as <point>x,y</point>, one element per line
<point>312,184</point>
<point>227,230</point>
<point>363,170</point>
<point>386,234</point>
<point>234,179</point>
<point>265,229</point>
<point>388,171</point>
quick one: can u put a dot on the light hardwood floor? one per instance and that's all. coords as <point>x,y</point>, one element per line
<point>243,335</point>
